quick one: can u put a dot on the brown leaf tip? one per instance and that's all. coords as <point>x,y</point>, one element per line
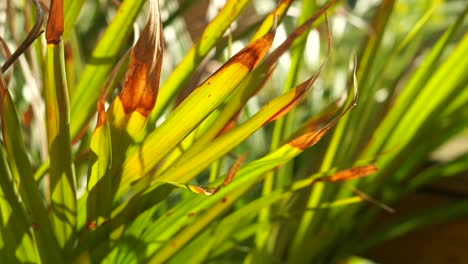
<point>142,83</point>
<point>309,139</point>
<point>251,55</point>
<point>55,26</point>
<point>299,93</point>
<point>138,94</point>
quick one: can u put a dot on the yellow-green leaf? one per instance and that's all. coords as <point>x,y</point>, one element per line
<point>200,103</point>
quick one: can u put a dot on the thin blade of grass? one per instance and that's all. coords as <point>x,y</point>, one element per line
<point>62,171</point>
<point>22,172</point>
<point>284,126</point>
<point>430,101</point>
<point>313,201</point>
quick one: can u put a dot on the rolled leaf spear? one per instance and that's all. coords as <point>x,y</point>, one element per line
<point>122,123</point>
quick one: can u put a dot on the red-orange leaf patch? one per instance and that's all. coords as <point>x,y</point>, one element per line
<point>55,23</point>
<point>142,83</point>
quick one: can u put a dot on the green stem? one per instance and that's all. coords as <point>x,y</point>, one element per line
<point>282,129</point>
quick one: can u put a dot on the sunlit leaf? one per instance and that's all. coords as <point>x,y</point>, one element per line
<point>62,170</point>
<point>202,101</point>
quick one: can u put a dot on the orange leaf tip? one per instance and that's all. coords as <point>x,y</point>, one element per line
<point>54,28</point>
<point>251,55</point>
<point>142,83</point>
<point>350,174</point>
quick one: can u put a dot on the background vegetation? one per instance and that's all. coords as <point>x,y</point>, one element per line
<point>133,132</point>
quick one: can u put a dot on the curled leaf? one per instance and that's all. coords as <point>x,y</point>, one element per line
<point>301,89</point>
<point>299,93</point>
<point>142,83</point>
<point>316,121</point>
<point>311,138</point>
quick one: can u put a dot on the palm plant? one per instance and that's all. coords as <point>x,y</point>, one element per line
<point>106,165</point>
